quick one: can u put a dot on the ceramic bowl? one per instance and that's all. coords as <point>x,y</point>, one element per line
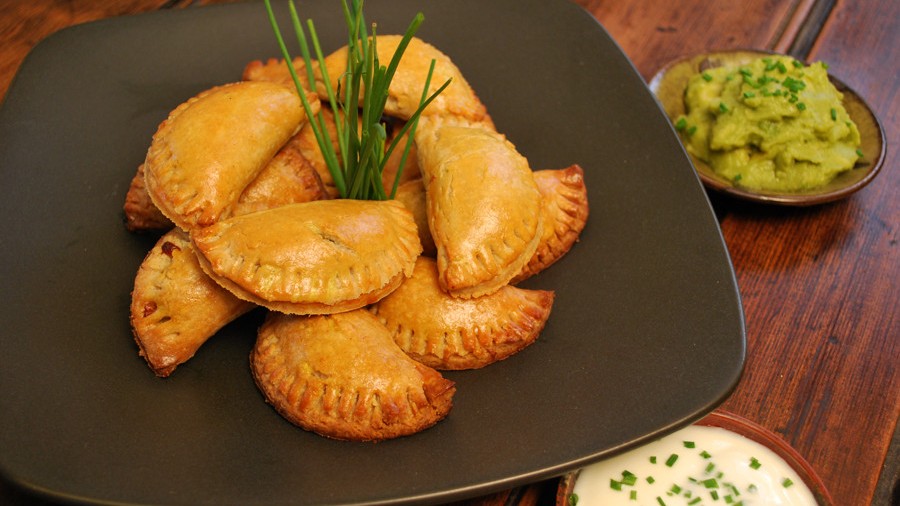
<point>670,82</point>
<point>750,430</point>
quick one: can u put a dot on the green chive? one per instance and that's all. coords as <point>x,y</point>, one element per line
<point>752,488</point>
<point>801,106</point>
<point>706,77</point>
<point>681,124</point>
<point>797,64</point>
<point>675,489</point>
<point>691,130</point>
<point>695,500</point>
<point>737,178</point>
<point>705,454</point>
<point>749,94</point>
<point>628,478</point>
<point>671,460</point>
<point>660,501</point>
<point>690,444</point>
<point>615,485</point>
<point>787,482</point>
<point>573,499</point>
<point>633,495</point>
<point>710,483</point>
<point>714,495</point>
<point>859,153</point>
<point>833,114</point>
<point>711,466</point>
<point>754,463</point>
<point>650,480</point>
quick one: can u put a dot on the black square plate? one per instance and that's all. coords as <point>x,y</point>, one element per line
<point>646,334</point>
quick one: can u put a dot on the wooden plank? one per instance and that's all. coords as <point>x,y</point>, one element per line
<point>654,32</point>
<point>831,364</point>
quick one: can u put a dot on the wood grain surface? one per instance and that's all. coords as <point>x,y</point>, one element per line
<point>819,285</point>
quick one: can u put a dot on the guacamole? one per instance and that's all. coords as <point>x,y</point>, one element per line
<point>773,124</point>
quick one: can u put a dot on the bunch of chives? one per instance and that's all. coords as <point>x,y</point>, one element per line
<point>357,165</point>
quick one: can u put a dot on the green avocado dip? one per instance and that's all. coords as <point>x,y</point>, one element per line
<point>773,124</point>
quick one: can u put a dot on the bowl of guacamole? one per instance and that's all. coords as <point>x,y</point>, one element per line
<point>768,127</point>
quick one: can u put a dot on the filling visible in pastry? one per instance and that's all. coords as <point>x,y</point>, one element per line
<point>212,146</point>
<point>446,332</point>
<point>317,257</point>
<point>343,377</point>
<point>175,307</point>
<point>483,206</point>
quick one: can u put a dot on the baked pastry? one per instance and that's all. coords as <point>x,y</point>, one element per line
<point>287,179</point>
<point>141,214</point>
<point>317,257</point>
<point>342,377</point>
<point>274,70</point>
<point>213,145</point>
<point>484,208</point>
<point>175,307</point>
<point>405,89</point>
<point>446,332</point>
<point>412,195</point>
<point>565,210</point>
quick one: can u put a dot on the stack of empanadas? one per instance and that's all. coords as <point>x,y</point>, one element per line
<point>366,300</point>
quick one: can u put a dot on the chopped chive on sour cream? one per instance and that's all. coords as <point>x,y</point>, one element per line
<point>695,466</point>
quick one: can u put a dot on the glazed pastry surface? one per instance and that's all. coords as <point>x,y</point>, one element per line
<point>446,332</point>
<point>483,206</point>
<point>175,307</point>
<point>212,146</point>
<point>343,377</point>
<point>316,257</point>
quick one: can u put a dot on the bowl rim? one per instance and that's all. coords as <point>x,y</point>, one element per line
<point>746,428</point>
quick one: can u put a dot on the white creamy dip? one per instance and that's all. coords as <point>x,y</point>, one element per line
<point>697,466</point>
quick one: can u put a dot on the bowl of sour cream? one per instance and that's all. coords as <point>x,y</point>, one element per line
<point>721,459</point>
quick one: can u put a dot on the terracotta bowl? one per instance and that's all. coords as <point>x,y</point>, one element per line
<point>751,431</point>
<point>670,82</point>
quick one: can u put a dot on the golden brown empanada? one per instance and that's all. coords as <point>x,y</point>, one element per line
<point>405,90</point>
<point>446,332</point>
<point>175,307</point>
<point>484,208</point>
<point>213,145</point>
<point>343,377</point>
<point>141,214</point>
<point>565,209</point>
<point>316,257</point>
<point>412,194</point>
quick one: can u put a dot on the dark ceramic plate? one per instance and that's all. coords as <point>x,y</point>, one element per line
<point>646,333</point>
<point>670,82</point>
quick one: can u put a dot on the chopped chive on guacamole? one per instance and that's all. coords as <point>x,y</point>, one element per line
<point>779,126</point>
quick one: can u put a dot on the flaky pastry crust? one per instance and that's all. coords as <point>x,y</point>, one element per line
<point>483,206</point>
<point>446,332</point>
<point>175,307</point>
<point>343,377</point>
<point>316,257</point>
<point>213,145</point>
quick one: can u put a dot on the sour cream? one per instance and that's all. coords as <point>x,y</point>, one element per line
<point>698,465</point>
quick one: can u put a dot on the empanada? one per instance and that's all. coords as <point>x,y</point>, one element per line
<point>405,90</point>
<point>565,209</point>
<point>175,307</point>
<point>274,70</point>
<point>141,214</point>
<point>316,257</point>
<point>343,377</point>
<point>213,145</point>
<point>484,208</point>
<point>446,332</point>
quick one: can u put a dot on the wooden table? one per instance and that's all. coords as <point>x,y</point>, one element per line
<point>819,285</point>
